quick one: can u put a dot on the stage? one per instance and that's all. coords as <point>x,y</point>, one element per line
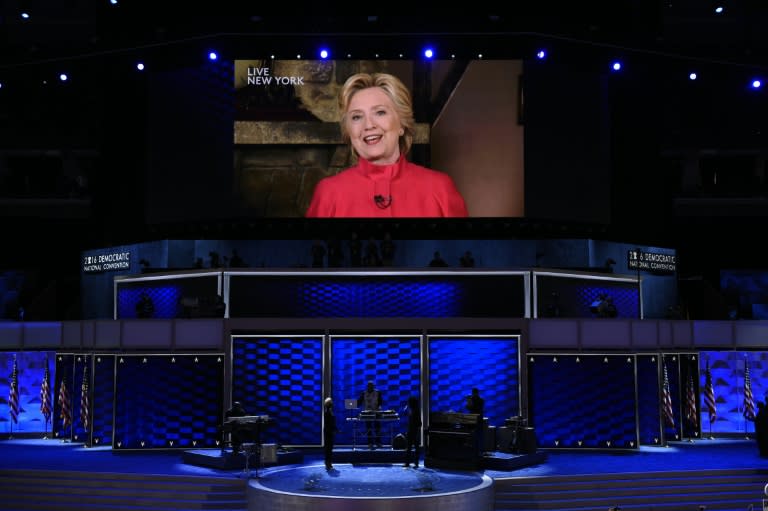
<point>723,474</point>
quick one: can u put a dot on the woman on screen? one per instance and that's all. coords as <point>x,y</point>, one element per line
<point>377,121</point>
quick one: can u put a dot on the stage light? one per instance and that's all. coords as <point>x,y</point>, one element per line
<point>25,15</point>
<point>212,55</point>
<point>324,54</point>
<point>113,2</point>
<point>428,53</point>
<point>140,66</point>
<point>541,54</point>
<point>298,55</point>
<point>616,66</point>
<point>756,84</point>
<point>692,76</point>
<point>719,9</point>
<point>63,77</point>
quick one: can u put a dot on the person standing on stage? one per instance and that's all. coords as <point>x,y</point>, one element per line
<point>475,403</point>
<point>413,436</point>
<point>370,401</point>
<point>239,435</point>
<point>329,432</point>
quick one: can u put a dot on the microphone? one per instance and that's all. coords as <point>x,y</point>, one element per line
<point>382,202</point>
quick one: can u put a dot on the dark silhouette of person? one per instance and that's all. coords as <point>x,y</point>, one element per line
<point>761,428</point>
<point>387,249</point>
<point>475,403</point>
<point>235,261</point>
<point>437,261</point>
<point>145,307</point>
<point>467,261</point>
<point>370,401</point>
<point>329,432</point>
<point>335,253</point>
<point>239,436</point>
<point>318,254</point>
<point>371,257</point>
<point>355,251</point>
<point>413,435</point>
<point>215,261</point>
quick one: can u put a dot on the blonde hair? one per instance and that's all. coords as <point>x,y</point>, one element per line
<point>394,89</point>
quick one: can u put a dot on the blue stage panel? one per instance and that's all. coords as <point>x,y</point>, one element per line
<point>583,400</point>
<point>103,397</point>
<point>574,297</point>
<point>648,399</point>
<point>168,401</point>
<point>281,376</point>
<point>393,363</point>
<point>376,294</point>
<point>165,293</point>
<point>490,363</point>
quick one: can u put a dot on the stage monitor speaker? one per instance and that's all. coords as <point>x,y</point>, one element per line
<point>526,441</point>
<point>489,439</point>
<point>505,439</point>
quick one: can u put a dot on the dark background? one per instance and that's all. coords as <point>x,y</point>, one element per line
<point>116,156</point>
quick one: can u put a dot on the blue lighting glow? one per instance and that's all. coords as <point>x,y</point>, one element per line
<point>541,54</point>
<point>324,54</point>
<point>63,77</point>
<point>756,84</point>
<point>140,66</point>
<point>693,76</point>
<point>616,66</point>
<point>213,55</point>
<point>429,53</point>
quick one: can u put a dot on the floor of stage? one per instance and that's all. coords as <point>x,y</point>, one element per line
<point>725,453</point>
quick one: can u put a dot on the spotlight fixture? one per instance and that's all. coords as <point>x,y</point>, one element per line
<point>541,54</point>
<point>756,84</point>
<point>429,53</point>
<point>692,76</point>
<point>212,55</point>
<point>616,66</point>
<point>324,53</point>
<point>140,66</point>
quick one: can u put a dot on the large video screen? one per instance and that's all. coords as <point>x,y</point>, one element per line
<point>291,159</point>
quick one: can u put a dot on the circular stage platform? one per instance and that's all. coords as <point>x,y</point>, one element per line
<point>369,487</point>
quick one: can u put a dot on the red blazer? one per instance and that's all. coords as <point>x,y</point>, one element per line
<point>402,189</point>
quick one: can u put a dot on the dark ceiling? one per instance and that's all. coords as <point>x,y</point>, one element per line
<point>81,29</point>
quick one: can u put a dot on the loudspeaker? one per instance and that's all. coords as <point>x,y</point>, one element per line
<point>505,439</point>
<point>489,440</point>
<point>526,441</point>
<point>399,442</point>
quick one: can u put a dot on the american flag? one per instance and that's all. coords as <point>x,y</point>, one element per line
<point>45,394</point>
<point>691,413</point>
<point>669,416</point>
<point>709,396</point>
<point>85,408</point>
<point>749,401</point>
<point>65,405</point>
<point>13,395</point>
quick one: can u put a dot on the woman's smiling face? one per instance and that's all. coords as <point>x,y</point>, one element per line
<point>374,126</point>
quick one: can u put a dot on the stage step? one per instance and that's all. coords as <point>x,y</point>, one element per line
<point>722,490</point>
<point>89,491</point>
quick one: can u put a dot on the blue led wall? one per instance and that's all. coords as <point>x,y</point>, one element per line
<point>31,367</point>
<point>583,400</point>
<point>168,401</point>
<point>490,363</point>
<point>371,295</point>
<point>393,363</point>
<point>281,376</point>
